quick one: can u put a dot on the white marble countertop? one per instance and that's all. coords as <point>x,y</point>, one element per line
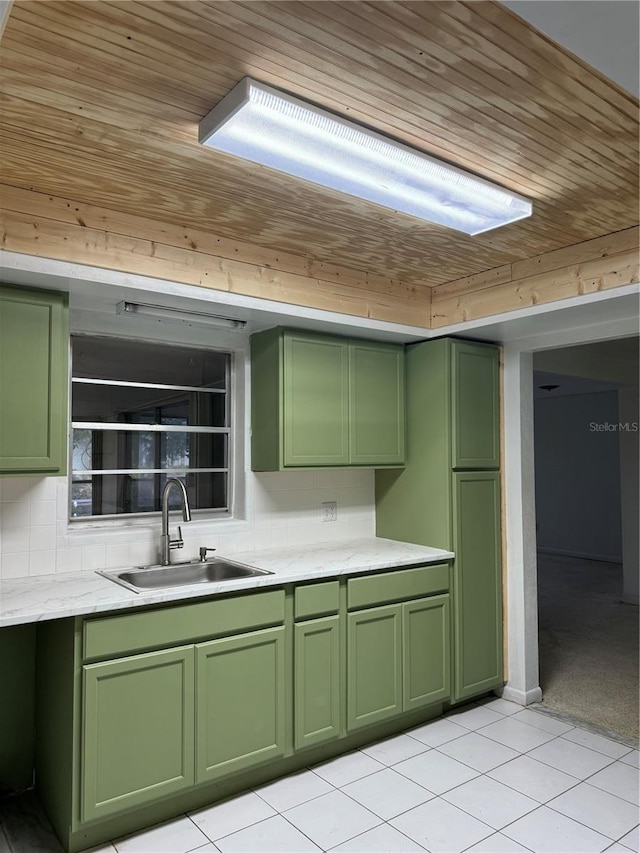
<point>25,600</point>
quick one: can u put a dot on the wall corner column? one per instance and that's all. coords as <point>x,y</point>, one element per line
<point>522,605</point>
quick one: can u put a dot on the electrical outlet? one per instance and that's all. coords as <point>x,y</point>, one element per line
<point>330,511</point>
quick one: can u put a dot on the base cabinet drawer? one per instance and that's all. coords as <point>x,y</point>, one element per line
<point>317,681</point>
<point>138,731</point>
<point>240,702</point>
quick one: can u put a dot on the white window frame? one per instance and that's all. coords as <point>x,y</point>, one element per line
<point>235,391</point>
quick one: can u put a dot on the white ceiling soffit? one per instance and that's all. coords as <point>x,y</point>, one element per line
<point>603,33</point>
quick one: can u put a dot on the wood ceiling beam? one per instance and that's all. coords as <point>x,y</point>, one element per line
<point>594,265</point>
<point>63,229</point>
<point>53,227</point>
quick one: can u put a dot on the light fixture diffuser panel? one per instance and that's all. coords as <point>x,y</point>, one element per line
<point>277,130</point>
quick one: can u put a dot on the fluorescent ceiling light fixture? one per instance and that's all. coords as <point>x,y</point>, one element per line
<point>192,318</point>
<point>277,130</point>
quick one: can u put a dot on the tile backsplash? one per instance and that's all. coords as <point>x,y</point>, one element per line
<point>282,509</point>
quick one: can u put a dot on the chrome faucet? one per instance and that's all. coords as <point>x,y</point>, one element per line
<point>167,544</point>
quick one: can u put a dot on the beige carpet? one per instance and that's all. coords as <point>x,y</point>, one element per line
<point>588,643</point>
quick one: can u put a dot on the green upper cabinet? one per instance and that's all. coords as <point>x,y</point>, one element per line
<point>33,381</point>
<point>318,400</point>
<point>315,401</point>
<point>474,406</point>
<point>376,404</point>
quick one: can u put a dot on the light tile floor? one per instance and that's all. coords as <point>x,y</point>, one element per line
<point>492,777</point>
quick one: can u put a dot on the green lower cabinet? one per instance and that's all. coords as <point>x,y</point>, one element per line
<point>398,659</point>
<point>240,710</point>
<point>138,731</point>
<point>426,664</point>
<point>374,665</point>
<point>477,583</point>
<point>317,680</point>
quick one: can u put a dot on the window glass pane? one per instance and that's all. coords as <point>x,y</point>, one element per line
<point>116,494</point>
<point>115,449</point>
<point>123,404</point>
<point>134,361</point>
<point>159,447</point>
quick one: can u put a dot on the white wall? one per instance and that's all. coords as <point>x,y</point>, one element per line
<point>602,32</point>
<point>578,475</point>
<point>628,404</point>
<point>281,508</point>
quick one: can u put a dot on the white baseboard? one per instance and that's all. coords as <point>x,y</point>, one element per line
<point>600,558</point>
<point>521,697</point>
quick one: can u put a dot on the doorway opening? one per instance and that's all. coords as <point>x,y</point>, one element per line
<point>586,484</point>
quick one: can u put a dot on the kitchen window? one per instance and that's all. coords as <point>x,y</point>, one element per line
<point>141,413</point>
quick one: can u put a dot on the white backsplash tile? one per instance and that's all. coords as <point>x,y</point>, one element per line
<point>42,537</point>
<point>42,562</point>
<point>43,512</point>
<point>15,514</point>
<point>15,565</point>
<point>15,540</point>
<point>281,509</point>
<point>67,560</point>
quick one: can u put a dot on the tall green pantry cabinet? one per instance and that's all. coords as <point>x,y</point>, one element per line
<point>448,494</point>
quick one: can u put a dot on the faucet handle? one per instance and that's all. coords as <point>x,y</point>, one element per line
<point>203,553</point>
<point>177,543</point>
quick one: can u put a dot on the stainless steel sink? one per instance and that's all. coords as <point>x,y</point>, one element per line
<point>181,574</point>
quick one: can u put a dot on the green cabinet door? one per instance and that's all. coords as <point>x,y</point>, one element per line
<point>138,731</point>
<point>374,665</point>
<point>376,404</point>
<point>33,381</point>
<point>475,410</point>
<point>316,400</point>
<point>425,652</point>
<point>317,680</point>
<point>477,583</point>
<point>240,702</point>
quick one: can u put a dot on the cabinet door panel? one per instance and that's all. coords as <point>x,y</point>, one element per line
<point>317,681</point>
<point>376,410</point>
<point>475,407</point>
<point>33,380</point>
<point>477,583</point>
<point>240,702</point>
<point>374,665</point>
<point>315,408</point>
<point>425,652</point>
<point>137,739</point>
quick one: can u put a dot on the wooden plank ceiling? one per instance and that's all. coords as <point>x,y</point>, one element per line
<point>100,103</point>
